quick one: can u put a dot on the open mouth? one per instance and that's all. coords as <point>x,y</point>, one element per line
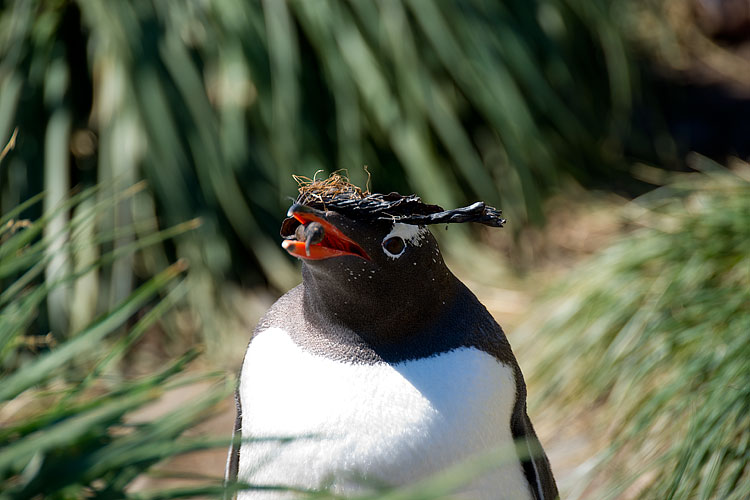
<point>328,241</point>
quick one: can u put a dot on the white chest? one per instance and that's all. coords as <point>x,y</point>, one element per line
<point>389,424</point>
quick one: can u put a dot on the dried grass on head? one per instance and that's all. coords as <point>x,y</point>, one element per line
<point>338,194</point>
<point>335,185</point>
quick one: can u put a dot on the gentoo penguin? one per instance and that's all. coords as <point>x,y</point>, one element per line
<point>381,367</point>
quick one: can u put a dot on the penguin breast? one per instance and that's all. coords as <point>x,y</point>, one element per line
<point>354,424</point>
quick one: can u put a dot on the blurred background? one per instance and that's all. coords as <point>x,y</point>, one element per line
<point>147,157</point>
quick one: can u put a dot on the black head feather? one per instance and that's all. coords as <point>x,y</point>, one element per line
<point>337,194</point>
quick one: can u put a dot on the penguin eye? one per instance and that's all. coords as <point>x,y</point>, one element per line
<point>394,246</point>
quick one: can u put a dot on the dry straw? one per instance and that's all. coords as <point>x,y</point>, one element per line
<point>336,185</point>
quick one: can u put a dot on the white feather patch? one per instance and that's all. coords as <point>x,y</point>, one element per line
<point>391,424</point>
<point>408,232</point>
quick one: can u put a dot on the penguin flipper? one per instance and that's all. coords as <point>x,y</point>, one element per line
<point>536,468</point>
<point>233,459</point>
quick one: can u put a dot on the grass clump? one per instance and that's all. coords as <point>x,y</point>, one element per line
<point>655,332</point>
<point>217,104</point>
<point>68,415</point>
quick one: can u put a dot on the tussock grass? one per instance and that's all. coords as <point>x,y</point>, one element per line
<point>217,104</point>
<point>66,411</point>
<point>654,333</point>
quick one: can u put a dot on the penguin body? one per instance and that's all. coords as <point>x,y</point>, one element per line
<point>382,423</point>
<point>384,367</point>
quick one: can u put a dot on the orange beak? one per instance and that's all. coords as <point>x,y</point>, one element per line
<point>334,242</point>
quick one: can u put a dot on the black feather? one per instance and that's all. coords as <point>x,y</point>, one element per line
<point>405,209</point>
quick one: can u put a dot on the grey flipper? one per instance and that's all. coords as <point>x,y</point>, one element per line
<point>537,468</point>
<point>233,459</point>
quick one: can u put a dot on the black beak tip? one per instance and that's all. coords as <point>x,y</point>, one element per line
<point>301,209</point>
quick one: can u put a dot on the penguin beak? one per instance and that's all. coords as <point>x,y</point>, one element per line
<point>310,243</point>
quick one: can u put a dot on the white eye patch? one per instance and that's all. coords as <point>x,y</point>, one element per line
<point>409,233</point>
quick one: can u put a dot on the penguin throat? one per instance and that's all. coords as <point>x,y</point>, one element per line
<point>385,316</point>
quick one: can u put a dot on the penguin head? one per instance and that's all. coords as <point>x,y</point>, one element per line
<point>333,219</point>
<point>365,254</point>
<point>342,247</point>
<point>373,276</point>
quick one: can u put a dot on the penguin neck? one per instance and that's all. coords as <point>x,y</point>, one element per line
<point>381,314</point>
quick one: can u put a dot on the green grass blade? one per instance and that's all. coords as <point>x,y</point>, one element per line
<point>45,365</point>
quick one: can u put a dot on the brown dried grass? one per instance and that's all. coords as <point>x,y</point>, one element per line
<point>335,185</point>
